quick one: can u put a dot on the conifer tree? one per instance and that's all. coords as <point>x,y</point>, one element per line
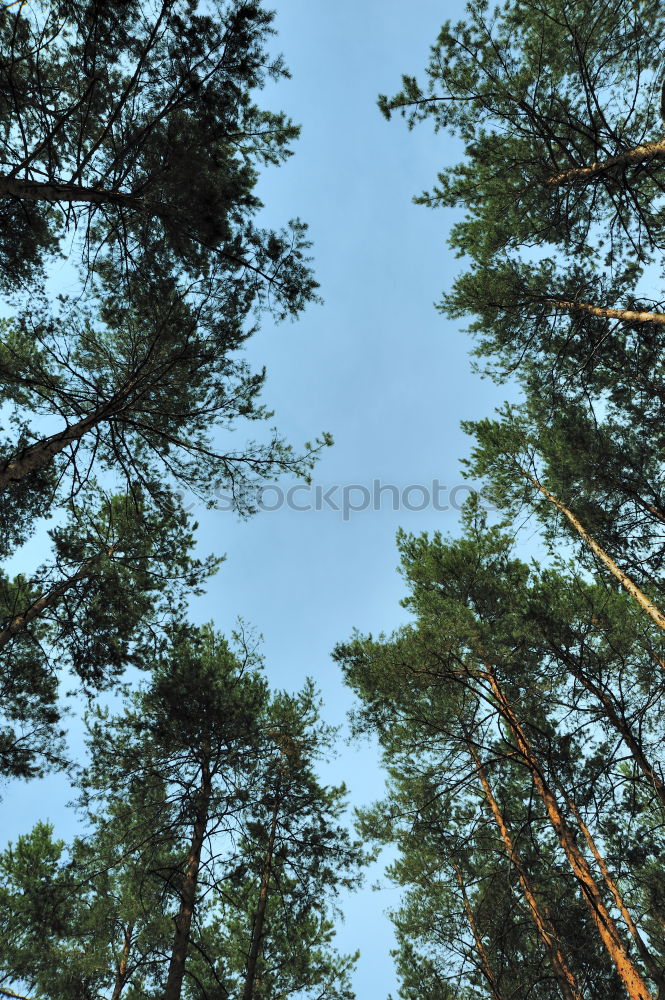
<point>133,128</point>
<point>559,110</point>
<point>482,700</point>
<point>256,851</point>
<point>120,572</point>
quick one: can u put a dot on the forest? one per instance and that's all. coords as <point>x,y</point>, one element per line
<point>516,703</point>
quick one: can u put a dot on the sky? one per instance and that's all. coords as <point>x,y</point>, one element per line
<point>375,364</point>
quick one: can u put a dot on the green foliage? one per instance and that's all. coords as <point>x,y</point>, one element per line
<point>206,708</point>
<point>533,91</point>
<point>71,911</point>
<point>133,127</point>
<point>131,141</point>
<point>142,386</point>
<point>604,470</point>
<point>534,693</point>
<point>577,665</point>
<point>120,572</point>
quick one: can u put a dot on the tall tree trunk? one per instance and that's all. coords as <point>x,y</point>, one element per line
<point>121,973</point>
<point>655,971</point>
<point>627,315</point>
<point>54,191</point>
<point>650,508</point>
<point>627,970</point>
<point>485,964</point>
<point>585,175</point>
<point>19,622</point>
<point>648,606</point>
<point>260,916</point>
<point>37,456</point>
<point>616,719</point>
<point>69,193</point>
<point>183,922</point>
<point>546,930</point>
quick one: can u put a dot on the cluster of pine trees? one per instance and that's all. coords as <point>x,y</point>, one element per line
<point>210,854</point>
<point>521,714</point>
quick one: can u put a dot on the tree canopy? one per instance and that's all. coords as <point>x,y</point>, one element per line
<point>213,853</point>
<point>519,712</point>
<point>133,129</point>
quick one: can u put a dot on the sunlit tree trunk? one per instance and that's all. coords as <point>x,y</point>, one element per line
<point>647,606</point>
<point>617,720</point>
<point>546,930</point>
<point>626,968</point>
<point>121,974</point>
<point>627,315</point>
<point>655,971</point>
<point>586,175</point>
<point>485,963</point>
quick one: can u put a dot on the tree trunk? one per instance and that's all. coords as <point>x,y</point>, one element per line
<point>650,508</point>
<point>183,921</point>
<point>37,456</point>
<point>655,971</point>
<point>614,717</point>
<point>627,315</point>
<point>485,964</point>
<point>260,916</point>
<point>585,175</point>
<point>121,974</point>
<point>53,191</point>
<point>648,606</point>
<point>628,972</point>
<point>19,622</point>
<point>70,192</point>
<point>546,930</point>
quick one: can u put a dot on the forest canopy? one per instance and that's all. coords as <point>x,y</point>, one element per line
<point>518,706</point>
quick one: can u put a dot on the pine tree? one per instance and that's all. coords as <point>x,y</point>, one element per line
<point>134,128</point>
<point>556,150</point>
<point>497,699</point>
<point>140,385</point>
<point>225,775</point>
<point>120,571</point>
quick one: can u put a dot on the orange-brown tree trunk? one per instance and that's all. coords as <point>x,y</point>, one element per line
<point>121,973</point>
<point>626,968</point>
<point>655,971</point>
<point>586,175</point>
<point>546,930</point>
<point>485,964</point>
<point>183,921</point>
<point>638,595</point>
<point>617,720</point>
<point>627,315</point>
<point>650,508</point>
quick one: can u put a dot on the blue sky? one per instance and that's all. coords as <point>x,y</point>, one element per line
<point>375,364</point>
